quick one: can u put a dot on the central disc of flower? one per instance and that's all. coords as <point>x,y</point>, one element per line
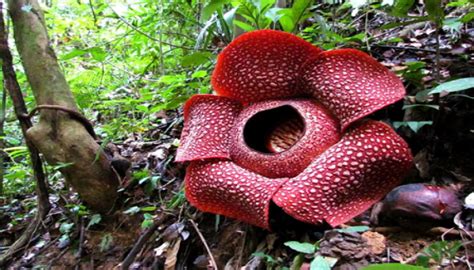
<point>275,130</point>
<point>280,138</point>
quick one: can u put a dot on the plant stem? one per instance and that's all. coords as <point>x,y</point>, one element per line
<point>437,62</point>
<point>2,140</point>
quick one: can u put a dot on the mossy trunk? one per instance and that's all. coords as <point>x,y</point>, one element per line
<point>61,139</point>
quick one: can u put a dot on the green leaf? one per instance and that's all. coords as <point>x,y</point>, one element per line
<point>401,7</point>
<point>269,259</point>
<point>199,74</point>
<point>307,248</point>
<point>291,17</point>
<point>435,10</point>
<point>413,125</point>
<point>319,263</point>
<point>435,107</point>
<point>95,219</point>
<point>393,266</point>
<point>98,54</point>
<point>468,17</point>
<point>214,5</point>
<point>415,65</point>
<point>354,229</point>
<point>453,86</point>
<point>423,261</point>
<point>72,54</point>
<point>65,227</point>
<point>106,242</point>
<point>147,221</point>
<point>132,210</point>
<point>148,208</point>
<point>244,26</point>
<point>195,59</point>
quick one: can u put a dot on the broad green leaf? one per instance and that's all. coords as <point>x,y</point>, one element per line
<point>401,7</point>
<point>95,219</point>
<point>435,10</point>
<point>274,14</point>
<point>244,26</point>
<point>453,86</point>
<point>65,227</point>
<point>98,54</point>
<point>286,19</point>
<point>263,5</point>
<point>195,59</point>
<point>435,107</point>
<point>393,266</point>
<point>354,229</point>
<point>452,25</point>
<point>199,74</point>
<point>413,125</point>
<point>148,208</point>
<point>319,263</point>
<point>415,65</point>
<point>212,7</point>
<point>106,242</point>
<point>142,108</point>
<point>147,221</point>
<point>468,17</point>
<point>291,17</point>
<point>229,16</point>
<point>307,248</point>
<point>72,54</point>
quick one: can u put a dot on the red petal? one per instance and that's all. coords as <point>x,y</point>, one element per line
<point>351,83</point>
<point>261,65</point>
<point>320,132</point>
<point>349,177</point>
<point>223,188</point>
<point>207,122</point>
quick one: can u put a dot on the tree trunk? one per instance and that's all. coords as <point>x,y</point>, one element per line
<point>60,138</point>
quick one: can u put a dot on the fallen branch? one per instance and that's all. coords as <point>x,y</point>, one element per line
<point>434,231</point>
<point>141,242</point>
<point>81,244</point>
<point>213,262</point>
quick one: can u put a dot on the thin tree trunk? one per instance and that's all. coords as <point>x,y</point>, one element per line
<point>11,84</point>
<point>2,140</point>
<point>60,138</point>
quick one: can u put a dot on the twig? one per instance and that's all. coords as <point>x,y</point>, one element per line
<point>81,243</point>
<point>93,13</point>
<point>57,257</point>
<point>141,242</point>
<point>435,231</point>
<point>213,262</point>
<point>405,48</point>
<point>45,247</point>
<point>367,31</point>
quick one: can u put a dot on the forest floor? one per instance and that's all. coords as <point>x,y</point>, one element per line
<point>154,222</point>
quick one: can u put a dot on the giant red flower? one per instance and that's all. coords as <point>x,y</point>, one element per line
<point>285,126</point>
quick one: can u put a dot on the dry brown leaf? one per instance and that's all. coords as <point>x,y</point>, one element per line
<point>172,255</point>
<point>376,241</point>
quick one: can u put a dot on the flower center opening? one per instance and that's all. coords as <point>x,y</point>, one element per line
<point>275,130</point>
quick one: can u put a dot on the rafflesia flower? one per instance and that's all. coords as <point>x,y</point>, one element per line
<point>285,128</point>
